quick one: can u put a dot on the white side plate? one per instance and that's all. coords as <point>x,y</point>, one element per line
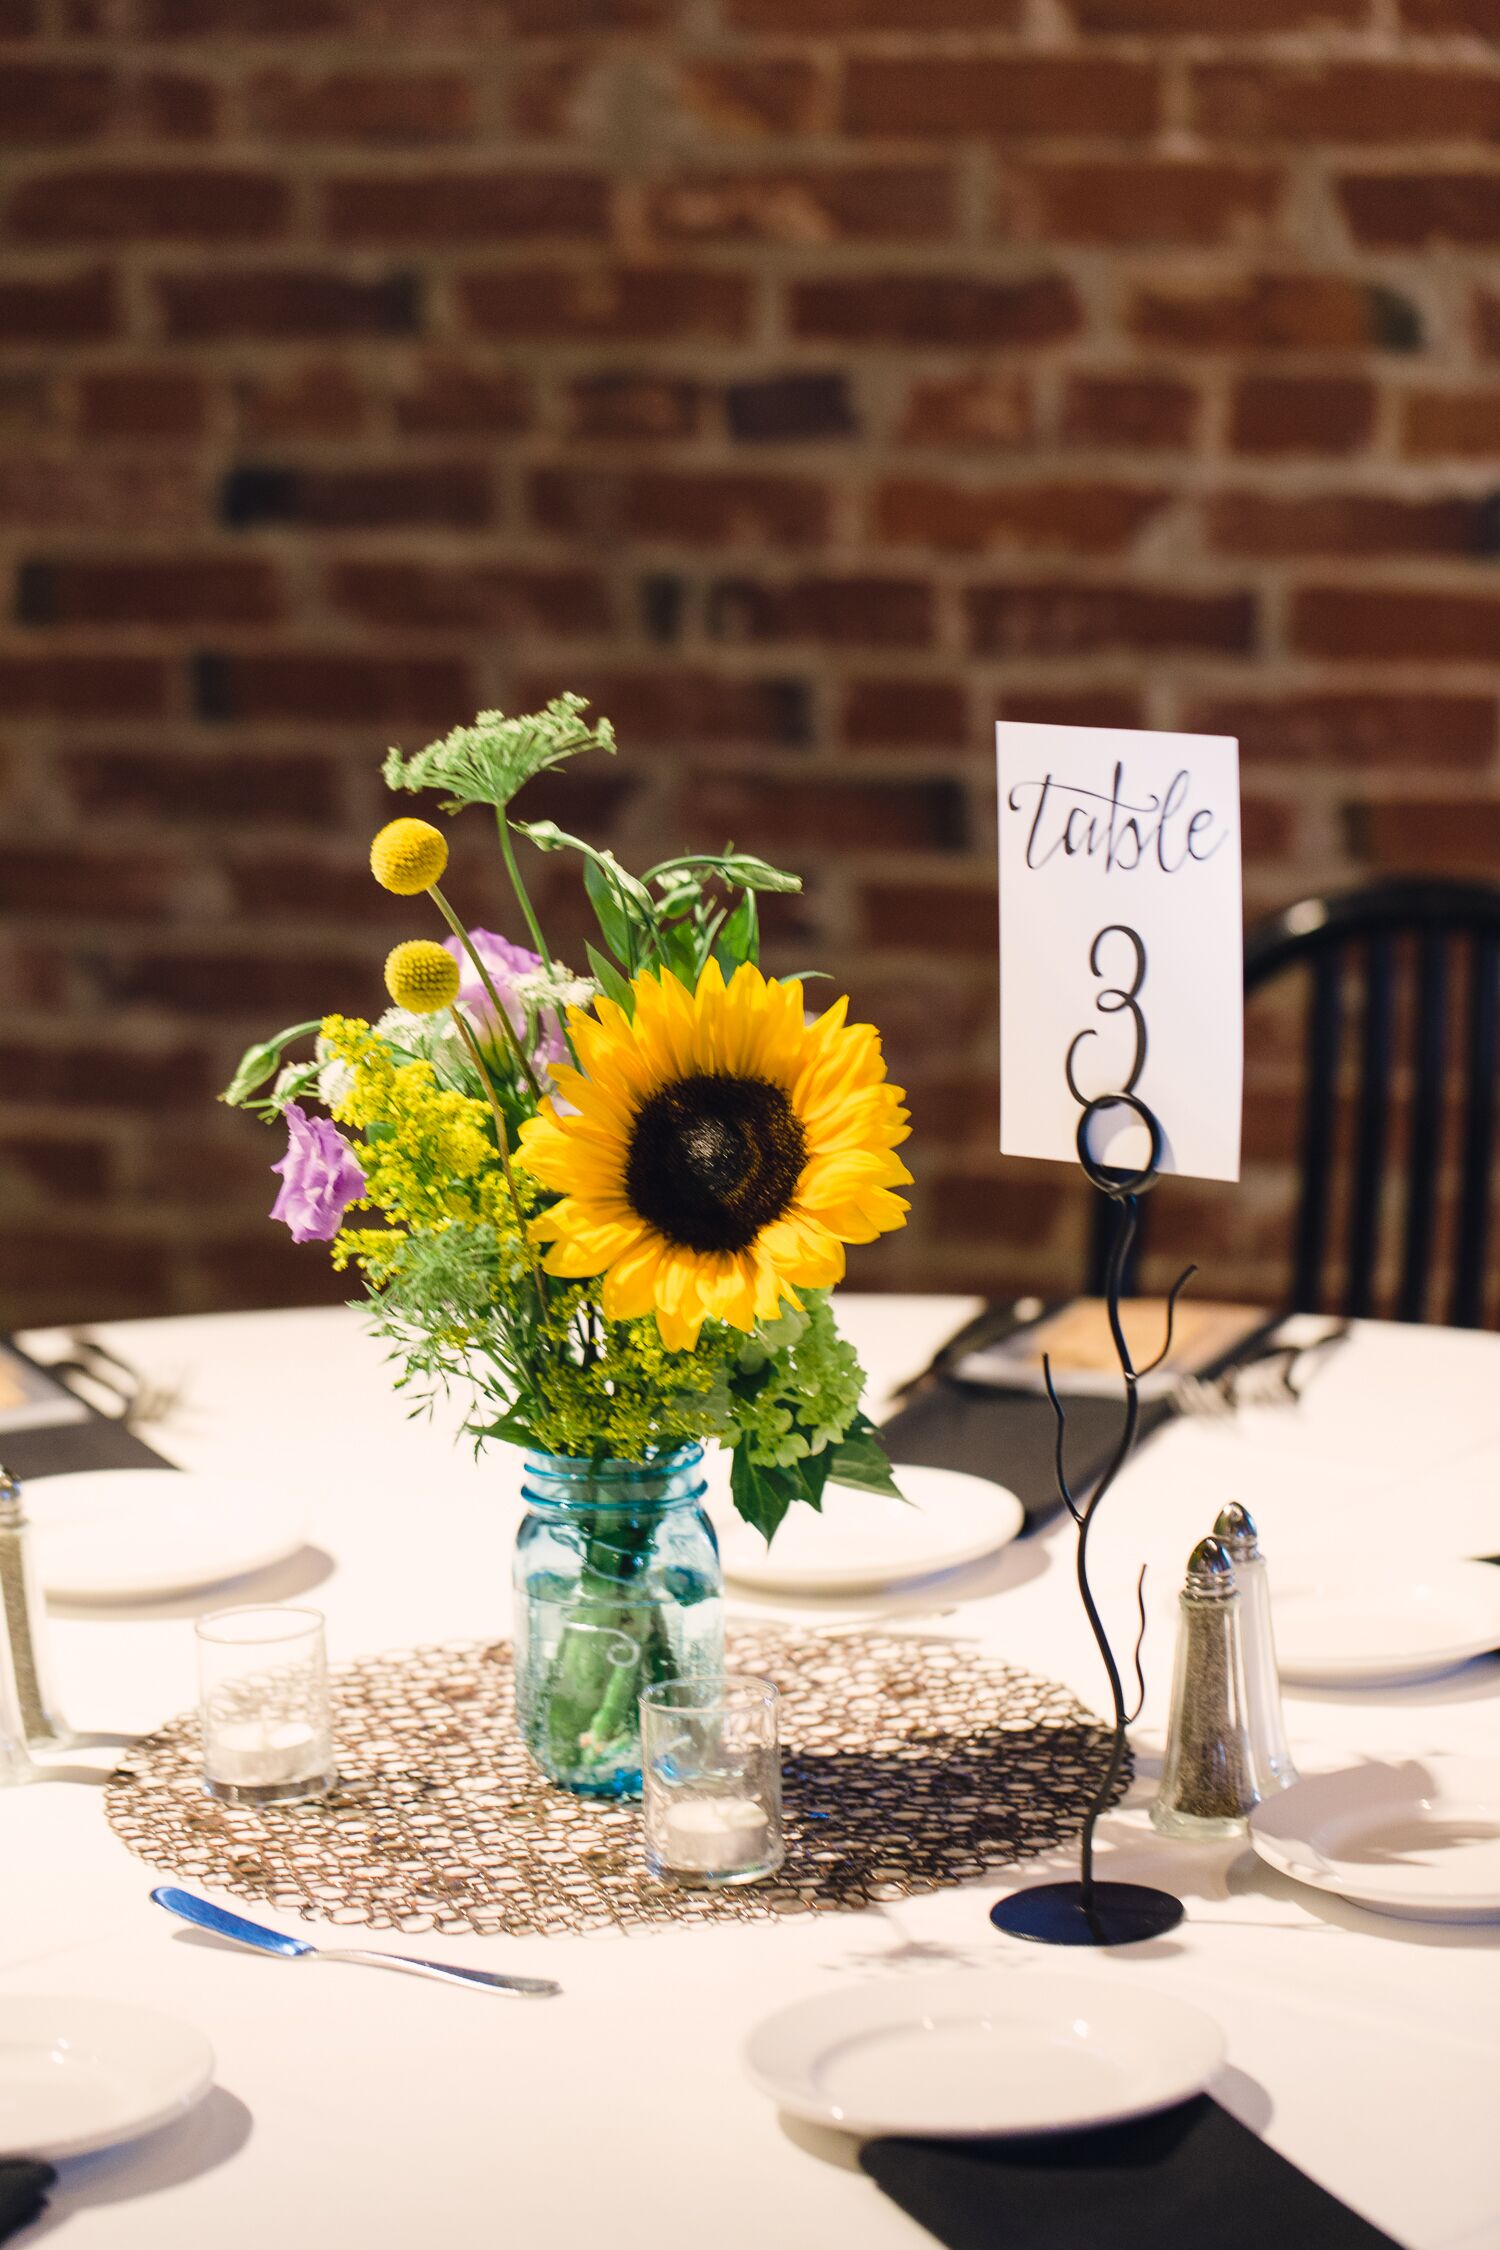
<point>984,2052</point>
<point>1421,1838</point>
<point>1333,1628</point>
<point>81,2074</point>
<point>861,1540</point>
<point>111,1535</point>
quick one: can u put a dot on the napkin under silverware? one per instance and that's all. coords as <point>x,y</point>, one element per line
<point>23,2192</point>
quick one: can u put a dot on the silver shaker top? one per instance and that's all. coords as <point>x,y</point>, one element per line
<point>10,1498</point>
<point>1210,1573</point>
<point>1235,1526</point>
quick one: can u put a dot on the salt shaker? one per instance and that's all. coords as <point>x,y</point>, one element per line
<point>1206,1785</point>
<point>25,1624</point>
<point>1271,1766</point>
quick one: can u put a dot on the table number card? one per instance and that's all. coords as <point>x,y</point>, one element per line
<point>1121,946</point>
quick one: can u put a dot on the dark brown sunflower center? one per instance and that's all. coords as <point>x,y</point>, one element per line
<point>713,1159</point>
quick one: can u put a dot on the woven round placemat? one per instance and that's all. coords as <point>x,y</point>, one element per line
<point>908,1764</point>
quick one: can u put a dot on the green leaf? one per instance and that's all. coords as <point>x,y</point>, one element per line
<point>511,1427</point>
<point>764,1492</point>
<point>611,983</point>
<point>614,923</point>
<point>260,1062</point>
<point>486,763</point>
<point>741,871</point>
<point>859,1459</point>
<point>739,940</point>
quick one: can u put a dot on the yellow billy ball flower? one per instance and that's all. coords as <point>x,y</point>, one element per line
<point>421,975</point>
<point>408,856</point>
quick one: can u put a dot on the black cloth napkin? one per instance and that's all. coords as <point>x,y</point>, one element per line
<point>101,1441</point>
<point>23,2196</point>
<point>1193,2176</point>
<point>1011,1437</point>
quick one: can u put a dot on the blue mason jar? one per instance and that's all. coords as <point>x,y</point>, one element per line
<point>617,1585</point>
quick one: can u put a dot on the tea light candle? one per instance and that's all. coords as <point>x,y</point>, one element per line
<point>715,1835</point>
<point>259,1753</point>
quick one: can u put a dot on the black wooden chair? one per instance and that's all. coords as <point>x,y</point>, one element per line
<point>1410,971</point>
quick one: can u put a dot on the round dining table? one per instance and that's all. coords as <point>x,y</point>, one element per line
<point>383,2111</point>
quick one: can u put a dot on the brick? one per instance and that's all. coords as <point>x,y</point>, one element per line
<point>333,687</point>
<point>1001,96</point>
<point>72,1170</point>
<point>532,598</point>
<point>890,612</point>
<point>1077,518</point>
<point>681,708</point>
<point>1235,19</point>
<point>1353,730</point>
<point>1055,618</point>
<point>1415,836</point>
<point>726,508</point>
<point>633,406</point>
<point>811,204</point>
<point>1141,202</point>
<point>167,105</point>
<point>466,23</point>
<point>220,305</point>
<point>402,109</point>
<point>455,493</point>
<point>248,986</point>
<point>321,399</point>
<point>980,1204</point>
<point>1341,523</point>
<point>609,305</point>
<point>1481,17</point>
<point>142,403</point>
<point>1414,210</point>
<point>1396,624</point>
<point>454,398</point>
<point>83,684</point>
<point>805,18</point>
<point>277,788</point>
<point>1487,323</point>
<point>1141,413</point>
<point>754,98</point>
<point>456,207</point>
<point>27,404</point>
<point>98,1070</point>
<point>1274,313</point>
<point>1280,414</point>
<point>935,310</point>
<point>54,102</point>
<point>792,814</point>
<point>46,494</point>
<point>993,408</point>
<point>45,879</point>
<point>149,590</point>
<point>944,918</point>
<point>113,203</point>
<point>1073,707</point>
<point>117,1275</point>
<point>1350,102</point>
<point>883,713</point>
<point>1452,424</point>
<point>785,409</point>
<point>76,308</point>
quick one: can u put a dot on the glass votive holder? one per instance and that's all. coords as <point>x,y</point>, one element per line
<point>711,1780</point>
<point>263,1705</point>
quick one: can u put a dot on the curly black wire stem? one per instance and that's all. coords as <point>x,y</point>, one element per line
<point>1140,1643</point>
<point>1173,1294</point>
<point>1059,1443</point>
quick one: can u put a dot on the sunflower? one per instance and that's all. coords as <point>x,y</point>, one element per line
<point>719,1153</point>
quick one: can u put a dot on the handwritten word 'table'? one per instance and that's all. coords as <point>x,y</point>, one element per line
<point>1123,833</point>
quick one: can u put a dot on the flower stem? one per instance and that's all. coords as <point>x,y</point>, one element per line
<point>523,898</point>
<point>503,1023</point>
<point>504,1140</point>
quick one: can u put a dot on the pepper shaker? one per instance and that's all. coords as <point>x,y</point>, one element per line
<point>1206,1785</point>
<point>1271,1766</point>
<point>25,1624</point>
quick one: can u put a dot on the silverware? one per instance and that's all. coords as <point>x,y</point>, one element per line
<point>235,1926</point>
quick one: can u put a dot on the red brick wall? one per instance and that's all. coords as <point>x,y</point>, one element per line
<point>807,380</point>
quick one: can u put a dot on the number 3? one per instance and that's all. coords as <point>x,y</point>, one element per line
<point>1114,1000</point>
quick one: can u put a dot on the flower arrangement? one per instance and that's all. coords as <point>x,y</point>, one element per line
<point>612,1205</point>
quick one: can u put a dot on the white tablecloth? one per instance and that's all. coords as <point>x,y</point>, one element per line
<point>376,2110</point>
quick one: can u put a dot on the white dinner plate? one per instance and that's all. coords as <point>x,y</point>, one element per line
<point>1335,1628</point>
<point>110,1535</point>
<point>83,2074</point>
<point>983,2052</point>
<point>1421,1838</point>
<point>860,1540</point>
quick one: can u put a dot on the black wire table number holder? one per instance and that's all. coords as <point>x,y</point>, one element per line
<point>1088,1911</point>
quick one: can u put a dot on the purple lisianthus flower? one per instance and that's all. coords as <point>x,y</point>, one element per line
<point>508,967</point>
<point>319,1178</point>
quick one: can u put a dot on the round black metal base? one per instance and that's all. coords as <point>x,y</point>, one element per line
<point>1121,1914</point>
